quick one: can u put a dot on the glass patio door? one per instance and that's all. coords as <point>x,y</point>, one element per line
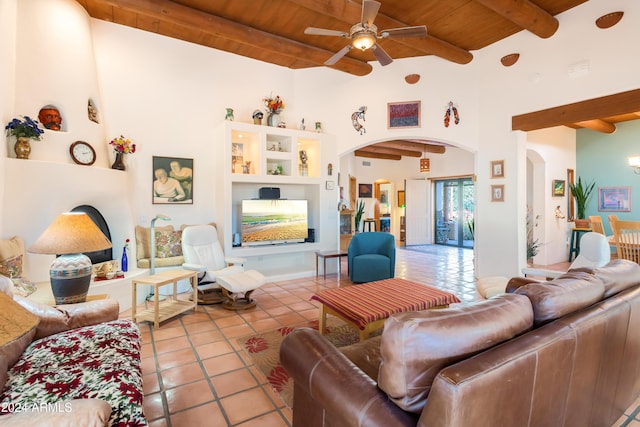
<point>454,209</point>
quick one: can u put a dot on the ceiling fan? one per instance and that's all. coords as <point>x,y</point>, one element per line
<point>364,34</point>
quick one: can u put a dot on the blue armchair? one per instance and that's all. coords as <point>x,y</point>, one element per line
<point>372,256</point>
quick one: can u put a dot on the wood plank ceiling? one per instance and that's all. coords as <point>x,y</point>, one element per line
<point>273,31</point>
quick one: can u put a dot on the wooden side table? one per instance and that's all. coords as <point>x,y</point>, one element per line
<point>329,254</point>
<point>163,310</point>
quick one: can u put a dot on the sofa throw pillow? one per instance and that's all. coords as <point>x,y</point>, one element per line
<point>17,329</point>
<point>143,240</point>
<point>12,268</point>
<point>563,295</point>
<point>168,244</point>
<point>415,346</point>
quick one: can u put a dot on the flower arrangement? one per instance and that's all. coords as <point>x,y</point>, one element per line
<point>123,145</point>
<point>274,105</point>
<point>27,128</point>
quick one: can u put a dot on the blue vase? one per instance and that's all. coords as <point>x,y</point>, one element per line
<point>124,263</point>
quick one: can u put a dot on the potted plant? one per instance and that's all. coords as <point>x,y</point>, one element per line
<point>24,129</point>
<point>581,194</point>
<point>358,215</point>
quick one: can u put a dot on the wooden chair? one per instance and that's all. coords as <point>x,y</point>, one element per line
<point>598,227</point>
<point>627,236</point>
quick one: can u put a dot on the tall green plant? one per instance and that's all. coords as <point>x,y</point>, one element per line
<point>358,215</point>
<point>581,194</point>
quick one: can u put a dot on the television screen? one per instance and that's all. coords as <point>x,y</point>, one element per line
<point>268,221</point>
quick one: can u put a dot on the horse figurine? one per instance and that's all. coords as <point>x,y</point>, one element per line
<point>359,127</point>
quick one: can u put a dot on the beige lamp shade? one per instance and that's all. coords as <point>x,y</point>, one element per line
<point>71,233</point>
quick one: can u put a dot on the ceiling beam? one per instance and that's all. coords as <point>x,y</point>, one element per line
<point>429,45</point>
<point>606,106</point>
<point>598,125</point>
<point>412,146</point>
<point>525,14</point>
<point>216,26</point>
<point>375,148</point>
<point>365,153</point>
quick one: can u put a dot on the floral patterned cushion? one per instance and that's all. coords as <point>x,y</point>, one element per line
<point>100,362</point>
<point>168,244</point>
<point>12,268</point>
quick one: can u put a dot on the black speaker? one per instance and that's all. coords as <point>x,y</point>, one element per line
<point>269,193</point>
<point>311,235</point>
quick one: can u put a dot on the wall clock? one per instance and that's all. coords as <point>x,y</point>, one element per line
<point>82,153</point>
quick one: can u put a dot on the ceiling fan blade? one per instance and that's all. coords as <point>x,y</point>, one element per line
<point>382,56</point>
<point>418,31</point>
<point>338,55</point>
<point>369,11</point>
<point>324,32</point>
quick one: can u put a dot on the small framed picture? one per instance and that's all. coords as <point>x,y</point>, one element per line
<point>403,115</point>
<point>614,199</point>
<point>497,169</point>
<point>330,185</point>
<point>497,193</point>
<point>172,180</point>
<point>557,189</point>
<point>365,191</point>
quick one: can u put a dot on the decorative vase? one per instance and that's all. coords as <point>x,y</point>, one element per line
<point>229,115</point>
<point>22,147</point>
<point>119,162</point>
<point>124,262</point>
<point>273,119</point>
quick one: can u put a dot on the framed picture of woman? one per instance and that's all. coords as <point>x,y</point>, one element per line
<point>172,180</point>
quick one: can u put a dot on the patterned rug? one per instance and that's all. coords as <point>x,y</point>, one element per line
<point>264,350</point>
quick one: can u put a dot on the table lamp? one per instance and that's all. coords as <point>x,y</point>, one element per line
<point>70,234</point>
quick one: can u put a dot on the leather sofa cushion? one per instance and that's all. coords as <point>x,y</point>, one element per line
<point>563,295</point>
<point>365,355</point>
<point>618,275</point>
<point>415,346</point>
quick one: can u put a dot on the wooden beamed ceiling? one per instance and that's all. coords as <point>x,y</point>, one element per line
<point>273,30</point>
<point>394,150</point>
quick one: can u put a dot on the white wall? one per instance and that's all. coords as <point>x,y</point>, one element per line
<point>555,147</point>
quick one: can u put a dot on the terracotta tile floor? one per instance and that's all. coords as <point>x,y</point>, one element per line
<point>195,374</point>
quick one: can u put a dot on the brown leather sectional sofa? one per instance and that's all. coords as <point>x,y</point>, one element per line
<point>558,353</point>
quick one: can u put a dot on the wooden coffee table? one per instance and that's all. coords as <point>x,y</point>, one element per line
<point>367,306</point>
<point>163,310</point>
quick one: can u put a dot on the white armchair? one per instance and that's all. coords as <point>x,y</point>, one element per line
<point>220,279</point>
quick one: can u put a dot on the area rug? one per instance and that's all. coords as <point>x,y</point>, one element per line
<point>264,350</point>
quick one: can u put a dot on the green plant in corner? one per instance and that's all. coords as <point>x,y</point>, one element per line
<point>358,215</point>
<point>581,194</point>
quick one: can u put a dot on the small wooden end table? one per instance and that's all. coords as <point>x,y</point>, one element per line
<point>330,254</point>
<point>163,310</point>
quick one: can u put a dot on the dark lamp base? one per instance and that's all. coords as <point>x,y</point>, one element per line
<point>70,278</point>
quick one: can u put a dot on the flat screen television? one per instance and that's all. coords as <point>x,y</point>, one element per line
<point>270,222</point>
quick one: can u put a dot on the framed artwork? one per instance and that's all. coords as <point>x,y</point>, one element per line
<point>497,193</point>
<point>558,188</point>
<point>401,198</point>
<point>403,115</point>
<point>365,191</point>
<point>571,213</point>
<point>497,169</point>
<point>172,180</point>
<point>330,185</point>
<point>237,159</point>
<point>614,199</point>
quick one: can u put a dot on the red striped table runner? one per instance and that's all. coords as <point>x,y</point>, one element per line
<point>363,304</point>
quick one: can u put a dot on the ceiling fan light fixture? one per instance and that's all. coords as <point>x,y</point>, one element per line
<point>363,40</point>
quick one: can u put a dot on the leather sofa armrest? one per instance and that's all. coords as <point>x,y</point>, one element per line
<point>70,413</point>
<point>517,282</point>
<point>329,386</point>
<point>63,317</point>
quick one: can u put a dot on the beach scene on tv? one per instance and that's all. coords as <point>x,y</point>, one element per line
<point>273,221</point>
